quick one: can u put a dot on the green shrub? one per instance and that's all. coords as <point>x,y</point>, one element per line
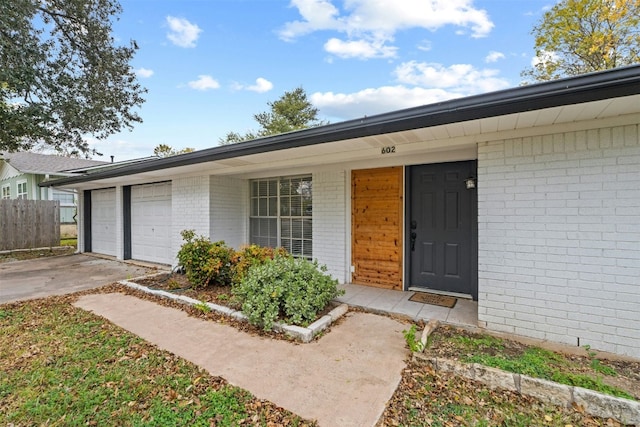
<point>249,256</point>
<point>205,262</point>
<point>287,288</point>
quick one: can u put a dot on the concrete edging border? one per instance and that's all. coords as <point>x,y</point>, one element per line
<point>302,334</point>
<point>43,248</point>
<point>602,405</point>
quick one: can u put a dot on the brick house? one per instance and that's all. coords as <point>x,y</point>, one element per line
<point>525,200</point>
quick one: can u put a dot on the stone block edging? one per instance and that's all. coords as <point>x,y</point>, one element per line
<point>299,333</point>
<point>602,405</point>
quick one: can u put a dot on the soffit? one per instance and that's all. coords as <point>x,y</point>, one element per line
<point>453,136</point>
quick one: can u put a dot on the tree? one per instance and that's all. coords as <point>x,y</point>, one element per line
<point>62,77</point>
<point>581,36</point>
<point>234,137</point>
<point>293,111</point>
<point>164,150</point>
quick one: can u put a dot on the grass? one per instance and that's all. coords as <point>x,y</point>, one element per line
<point>60,365</point>
<point>71,241</point>
<point>535,362</point>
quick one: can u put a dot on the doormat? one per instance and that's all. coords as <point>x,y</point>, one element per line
<point>434,299</point>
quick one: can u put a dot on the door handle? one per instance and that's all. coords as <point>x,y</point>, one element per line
<point>414,224</point>
<point>414,235</point>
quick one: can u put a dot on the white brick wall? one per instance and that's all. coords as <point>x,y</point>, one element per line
<point>218,207</point>
<point>229,210</point>
<point>559,237</point>
<point>329,222</point>
<point>189,208</point>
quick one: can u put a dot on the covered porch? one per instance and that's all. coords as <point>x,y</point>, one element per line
<point>464,313</point>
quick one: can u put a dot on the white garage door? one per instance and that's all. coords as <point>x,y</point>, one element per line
<point>103,221</point>
<point>151,222</point>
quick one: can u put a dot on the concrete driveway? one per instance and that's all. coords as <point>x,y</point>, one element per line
<point>41,277</point>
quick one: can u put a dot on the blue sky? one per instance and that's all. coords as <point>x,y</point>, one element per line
<point>210,65</point>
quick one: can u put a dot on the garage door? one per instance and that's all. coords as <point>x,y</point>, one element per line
<point>151,222</point>
<point>103,221</point>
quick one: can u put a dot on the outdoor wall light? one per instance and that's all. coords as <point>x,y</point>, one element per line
<point>470,183</point>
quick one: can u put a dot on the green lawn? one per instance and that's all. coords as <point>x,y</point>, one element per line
<point>72,241</point>
<point>60,365</point>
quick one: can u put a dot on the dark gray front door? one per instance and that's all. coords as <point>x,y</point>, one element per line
<point>442,228</point>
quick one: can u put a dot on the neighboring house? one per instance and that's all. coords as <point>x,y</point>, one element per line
<point>526,200</point>
<point>21,172</point>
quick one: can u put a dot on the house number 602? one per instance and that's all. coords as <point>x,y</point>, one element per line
<point>388,150</point>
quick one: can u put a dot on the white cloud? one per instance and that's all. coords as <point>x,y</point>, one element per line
<point>360,49</point>
<point>460,78</point>
<point>386,16</point>
<point>369,23</point>
<point>494,56</point>
<point>317,15</point>
<point>204,82</point>
<point>182,32</point>
<point>262,85</point>
<point>144,72</point>
<point>419,84</point>
<point>372,101</point>
<point>120,149</point>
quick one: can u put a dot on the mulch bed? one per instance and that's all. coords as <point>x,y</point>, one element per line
<point>221,295</point>
<point>425,397</point>
<point>179,284</point>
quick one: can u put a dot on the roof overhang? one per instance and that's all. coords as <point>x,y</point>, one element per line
<point>456,124</point>
<point>41,172</point>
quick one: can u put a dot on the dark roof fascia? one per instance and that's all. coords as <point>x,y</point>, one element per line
<point>574,90</point>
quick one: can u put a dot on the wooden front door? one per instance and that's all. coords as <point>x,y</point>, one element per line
<point>376,227</point>
<point>442,228</point>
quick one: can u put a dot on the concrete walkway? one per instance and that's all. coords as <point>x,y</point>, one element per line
<point>344,379</point>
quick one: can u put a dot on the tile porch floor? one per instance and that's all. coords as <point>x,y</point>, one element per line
<point>464,313</point>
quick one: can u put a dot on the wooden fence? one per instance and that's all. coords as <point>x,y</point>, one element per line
<point>28,224</point>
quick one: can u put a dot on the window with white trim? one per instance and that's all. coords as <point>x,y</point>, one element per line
<point>6,191</point>
<point>21,191</point>
<point>281,214</point>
